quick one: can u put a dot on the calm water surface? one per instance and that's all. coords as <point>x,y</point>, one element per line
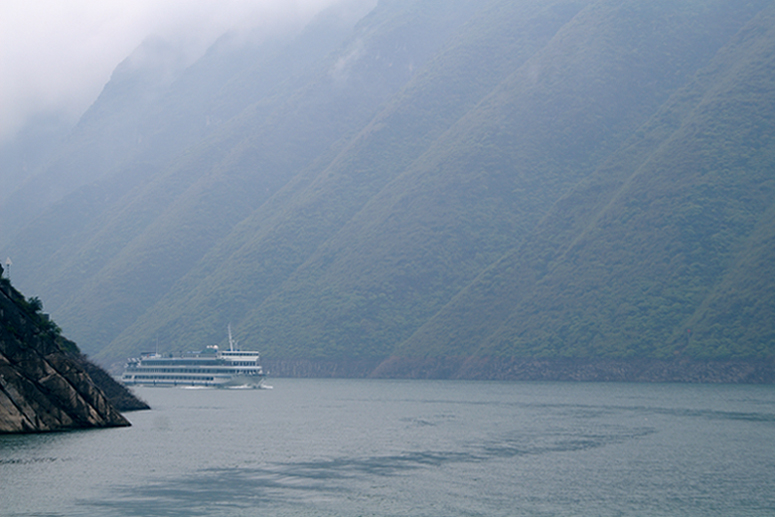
<point>411,448</point>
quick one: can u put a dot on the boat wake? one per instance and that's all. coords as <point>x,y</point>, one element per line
<point>242,387</point>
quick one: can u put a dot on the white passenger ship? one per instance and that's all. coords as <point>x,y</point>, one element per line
<point>211,367</point>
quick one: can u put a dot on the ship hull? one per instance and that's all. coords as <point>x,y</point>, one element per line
<point>230,381</point>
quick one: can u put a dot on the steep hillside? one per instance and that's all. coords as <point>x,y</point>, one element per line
<point>641,259</point>
<point>441,189</point>
<point>155,106</point>
<point>485,183</point>
<point>272,246</point>
<point>193,115</point>
<point>141,244</point>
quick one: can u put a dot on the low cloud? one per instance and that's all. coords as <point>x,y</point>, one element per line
<point>56,56</point>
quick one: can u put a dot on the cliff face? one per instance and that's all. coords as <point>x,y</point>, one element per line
<point>44,383</point>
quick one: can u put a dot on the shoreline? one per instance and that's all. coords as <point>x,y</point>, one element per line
<point>737,371</point>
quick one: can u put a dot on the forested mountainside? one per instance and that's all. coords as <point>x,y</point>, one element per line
<point>442,184</point>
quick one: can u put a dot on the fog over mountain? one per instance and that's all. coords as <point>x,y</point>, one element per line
<point>56,57</point>
<point>423,188</point>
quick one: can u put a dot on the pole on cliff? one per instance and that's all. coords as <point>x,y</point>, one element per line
<point>8,265</point>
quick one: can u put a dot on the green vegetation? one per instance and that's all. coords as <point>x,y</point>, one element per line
<point>557,179</point>
<point>31,310</point>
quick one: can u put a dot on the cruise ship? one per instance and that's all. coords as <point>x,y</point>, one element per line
<point>231,368</point>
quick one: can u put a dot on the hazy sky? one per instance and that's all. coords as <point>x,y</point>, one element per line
<point>56,55</point>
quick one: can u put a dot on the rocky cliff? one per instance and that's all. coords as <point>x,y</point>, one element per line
<point>45,384</point>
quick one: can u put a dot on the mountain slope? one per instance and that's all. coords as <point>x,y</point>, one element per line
<point>142,243</point>
<point>469,184</point>
<point>485,183</point>
<point>155,106</point>
<point>642,254</point>
<point>288,230</point>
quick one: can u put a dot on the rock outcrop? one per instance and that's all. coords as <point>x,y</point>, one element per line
<point>44,380</point>
<point>118,394</point>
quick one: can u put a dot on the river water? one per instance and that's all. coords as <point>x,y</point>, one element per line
<point>410,448</point>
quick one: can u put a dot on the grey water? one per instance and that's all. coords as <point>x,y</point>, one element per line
<point>410,448</point>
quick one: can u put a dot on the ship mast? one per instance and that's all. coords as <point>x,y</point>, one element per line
<point>231,341</point>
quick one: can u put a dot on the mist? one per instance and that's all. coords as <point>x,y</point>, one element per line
<point>55,57</point>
